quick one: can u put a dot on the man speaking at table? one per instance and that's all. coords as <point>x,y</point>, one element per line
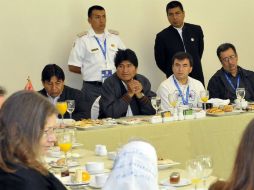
<point>126,93</point>
<point>186,89</point>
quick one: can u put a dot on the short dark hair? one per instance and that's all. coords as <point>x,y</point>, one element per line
<point>126,55</point>
<point>174,4</point>
<point>181,56</point>
<point>2,91</point>
<point>92,8</point>
<point>225,47</point>
<point>51,70</point>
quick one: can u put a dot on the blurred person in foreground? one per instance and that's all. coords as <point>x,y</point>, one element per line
<point>52,78</point>
<point>126,93</point>
<point>27,120</point>
<point>135,167</point>
<point>242,176</point>
<point>186,89</point>
<point>2,95</point>
<point>231,76</point>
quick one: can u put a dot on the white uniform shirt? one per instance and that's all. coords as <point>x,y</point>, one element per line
<point>87,54</point>
<point>168,87</point>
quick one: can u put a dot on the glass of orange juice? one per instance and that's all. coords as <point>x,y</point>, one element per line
<point>204,96</point>
<point>64,141</point>
<point>61,108</point>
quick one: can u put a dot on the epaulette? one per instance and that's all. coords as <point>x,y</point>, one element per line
<point>113,32</point>
<point>82,34</point>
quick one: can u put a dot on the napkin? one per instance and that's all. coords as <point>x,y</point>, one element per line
<point>218,102</point>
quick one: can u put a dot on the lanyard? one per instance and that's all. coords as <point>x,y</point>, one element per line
<point>186,101</point>
<point>102,49</point>
<point>230,82</point>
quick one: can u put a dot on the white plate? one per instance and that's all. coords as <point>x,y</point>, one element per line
<point>77,145</point>
<point>167,165</point>
<point>94,186</point>
<point>76,184</point>
<point>99,172</point>
<point>234,112</point>
<point>67,122</point>
<point>182,182</point>
<point>70,164</point>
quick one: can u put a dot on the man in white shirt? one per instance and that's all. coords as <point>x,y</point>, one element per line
<point>187,89</point>
<point>93,54</point>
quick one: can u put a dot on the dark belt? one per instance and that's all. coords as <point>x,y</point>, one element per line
<point>98,83</point>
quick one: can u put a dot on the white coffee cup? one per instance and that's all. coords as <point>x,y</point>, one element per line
<point>100,179</point>
<point>101,150</point>
<point>93,167</point>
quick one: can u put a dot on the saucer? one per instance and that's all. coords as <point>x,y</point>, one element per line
<point>94,172</point>
<point>182,182</point>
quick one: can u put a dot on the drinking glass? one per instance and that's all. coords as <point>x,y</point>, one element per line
<point>207,164</point>
<point>240,93</point>
<point>156,103</point>
<point>64,141</point>
<point>204,96</point>
<point>62,108</point>
<point>172,98</point>
<point>194,169</point>
<point>70,107</point>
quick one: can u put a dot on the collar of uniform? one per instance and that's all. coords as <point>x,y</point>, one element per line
<point>188,80</point>
<point>92,33</point>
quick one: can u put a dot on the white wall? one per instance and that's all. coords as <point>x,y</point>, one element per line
<point>34,33</point>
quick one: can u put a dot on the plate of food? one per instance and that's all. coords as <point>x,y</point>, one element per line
<point>131,121</point>
<point>68,182</point>
<point>223,111</point>
<point>60,163</point>
<point>88,124</point>
<point>182,182</point>
<point>166,163</point>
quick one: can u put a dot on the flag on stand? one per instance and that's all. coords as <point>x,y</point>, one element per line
<point>29,85</point>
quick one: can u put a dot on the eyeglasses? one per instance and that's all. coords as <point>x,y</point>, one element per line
<point>49,131</point>
<point>230,58</point>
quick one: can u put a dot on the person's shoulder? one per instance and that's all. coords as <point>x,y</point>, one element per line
<point>189,25</point>
<point>141,77</point>
<point>165,31</point>
<point>71,89</point>
<point>82,34</point>
<point>246,71</point>
<point>42,92</point>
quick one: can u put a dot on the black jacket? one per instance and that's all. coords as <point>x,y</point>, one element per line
<point>113,101</point>
<point>81,110</point>
<point>28,179</point>
<point>168,42</point>
<point>219,87</point>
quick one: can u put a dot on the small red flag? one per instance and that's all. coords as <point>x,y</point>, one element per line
<point>29,85</point>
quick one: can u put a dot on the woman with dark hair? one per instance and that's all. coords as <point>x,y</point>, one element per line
<point>242,176</point>
<point>27,120</point>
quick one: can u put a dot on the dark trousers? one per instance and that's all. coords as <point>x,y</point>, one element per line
<point>91,92</point>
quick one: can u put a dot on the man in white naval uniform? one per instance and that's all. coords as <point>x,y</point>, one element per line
<point>186,88</point>
<point>93,54</point>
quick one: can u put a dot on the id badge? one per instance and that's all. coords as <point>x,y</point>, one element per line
<point>105,73</point>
